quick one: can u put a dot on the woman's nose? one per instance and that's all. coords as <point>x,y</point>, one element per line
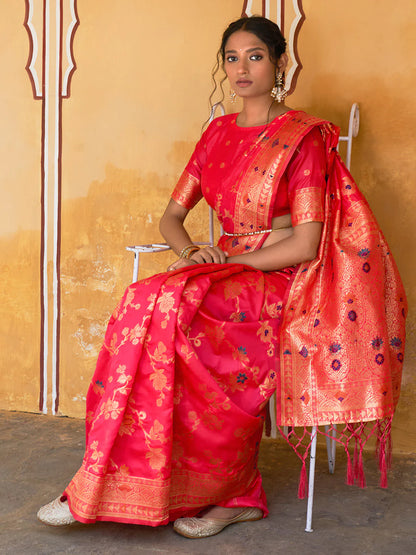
<point>242,66</point>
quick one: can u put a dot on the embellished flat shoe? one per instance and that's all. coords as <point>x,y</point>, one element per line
<point>195,527</point>
<point>56,513</point>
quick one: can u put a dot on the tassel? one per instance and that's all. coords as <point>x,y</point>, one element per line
<point>361,475</point>
<point>350,472</point>
<point>389,451</point>
<point>356,461</point>
<point>302,482</point>
<point>382,462</point>
<point>377,453</point>
<point>384,450</point>
<point>383,468</point>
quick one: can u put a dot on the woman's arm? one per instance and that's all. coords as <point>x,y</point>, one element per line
<point>172,228</point>
<point>301,246</point>
<point>174,232</point>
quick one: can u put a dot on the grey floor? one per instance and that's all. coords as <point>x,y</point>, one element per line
<point>39,455</point>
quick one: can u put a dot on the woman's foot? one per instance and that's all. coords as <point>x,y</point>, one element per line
<point>214,521</point>
<point>222,513</point>
<point>56,513</point>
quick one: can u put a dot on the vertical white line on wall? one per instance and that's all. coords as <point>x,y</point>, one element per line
<point>279,14</point>
<point>45,208</point>
<point>267,9</point>
<point>56,204</point>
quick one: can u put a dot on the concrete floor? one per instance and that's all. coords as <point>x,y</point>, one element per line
<point>39,455</point>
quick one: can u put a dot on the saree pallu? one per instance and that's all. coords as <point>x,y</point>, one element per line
<point>343,334</point>
<point>175,410</point>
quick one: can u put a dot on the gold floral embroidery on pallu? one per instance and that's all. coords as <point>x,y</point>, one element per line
<point>342,338</point>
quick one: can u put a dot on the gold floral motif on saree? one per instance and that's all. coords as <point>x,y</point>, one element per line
<point>343,329</point>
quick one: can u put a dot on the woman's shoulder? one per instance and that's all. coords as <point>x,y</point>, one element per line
<point>306,118</point>
<point>219,127</point>
<point>221,122</point>
<point>302,124</point>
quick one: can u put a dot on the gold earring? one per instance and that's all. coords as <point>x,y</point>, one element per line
<point>279,93</point>
<point>233,96</point>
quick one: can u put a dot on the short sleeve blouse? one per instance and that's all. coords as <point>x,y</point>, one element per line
<point>301,188</point>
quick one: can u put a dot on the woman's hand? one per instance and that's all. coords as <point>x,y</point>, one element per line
<point>181,263</point>
<point>209,254</point>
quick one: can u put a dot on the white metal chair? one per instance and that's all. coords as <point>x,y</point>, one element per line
<point>353,128</point>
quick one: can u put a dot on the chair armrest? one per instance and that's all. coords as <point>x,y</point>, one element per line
<point>151,247</point>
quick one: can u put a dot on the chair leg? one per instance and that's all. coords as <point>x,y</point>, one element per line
<point>136,266</point>
<point>331,448</point>
<point>272,413</point>
<point>311,481</point>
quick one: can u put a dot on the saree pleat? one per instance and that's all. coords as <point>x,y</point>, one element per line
<point>176,405</point>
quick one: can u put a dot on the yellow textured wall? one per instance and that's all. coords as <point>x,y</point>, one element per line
<point>138,98</point>
<point>20,119</point>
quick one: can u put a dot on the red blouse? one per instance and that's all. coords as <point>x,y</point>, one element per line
<point>224,145</point>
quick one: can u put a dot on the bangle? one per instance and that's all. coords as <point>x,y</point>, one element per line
<point>192,251</point>
<point>184,250</point>
<point>189,249</point>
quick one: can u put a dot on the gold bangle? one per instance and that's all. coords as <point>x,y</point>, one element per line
<point>190,252</point>
<point>185,250</point>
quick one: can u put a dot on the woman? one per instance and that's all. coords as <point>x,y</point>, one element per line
<point>176,407</point>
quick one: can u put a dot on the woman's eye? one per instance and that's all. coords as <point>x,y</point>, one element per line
<point>256,57</point>
<point>231,58</point>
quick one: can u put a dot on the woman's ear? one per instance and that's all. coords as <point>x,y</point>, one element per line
<point>282,62</point>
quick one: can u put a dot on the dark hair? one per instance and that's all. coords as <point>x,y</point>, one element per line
<point>264,29</point>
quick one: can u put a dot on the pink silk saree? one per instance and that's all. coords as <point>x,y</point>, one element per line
<point>175,410</point>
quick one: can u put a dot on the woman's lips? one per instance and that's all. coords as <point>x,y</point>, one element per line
<point>244,83</point>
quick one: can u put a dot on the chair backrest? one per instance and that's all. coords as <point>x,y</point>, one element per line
<point>353,128</point>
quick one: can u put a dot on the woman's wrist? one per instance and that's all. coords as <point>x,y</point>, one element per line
<point>189,250</point>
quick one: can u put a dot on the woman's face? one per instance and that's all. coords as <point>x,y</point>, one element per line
<point>248,66</point>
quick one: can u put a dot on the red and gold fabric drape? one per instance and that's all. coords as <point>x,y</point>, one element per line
<point>176,406</point>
